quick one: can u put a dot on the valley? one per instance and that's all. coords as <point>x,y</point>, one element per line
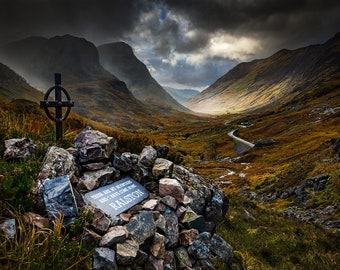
<point>284,188</point>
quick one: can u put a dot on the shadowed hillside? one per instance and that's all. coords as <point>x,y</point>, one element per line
<point>119,59</point>
<point>12,86</point>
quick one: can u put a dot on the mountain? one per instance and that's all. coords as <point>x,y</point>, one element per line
<point>98,94</point>
<point>119,59</point>
<point>286,76</point>
<point>37,59</point>
<point>12,86</point>
<point>181,95</point>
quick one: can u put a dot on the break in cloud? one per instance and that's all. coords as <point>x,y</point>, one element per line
<point>187,43</point>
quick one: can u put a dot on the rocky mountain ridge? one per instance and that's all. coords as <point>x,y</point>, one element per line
<point>119,59</point>
<point>286,76</point>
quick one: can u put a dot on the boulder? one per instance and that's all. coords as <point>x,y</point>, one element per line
<point>127,252</point>
<point>172,230</point>
<point>172,187</point>
<point>93,146</point>
<point>9,228</point>
<point>200,249</point>
<point>162,168</point>
<point>104,259</point>
<point>59,199</point>
<point>148,156</point>
<point>116,234</point>
<point>57,162</point>
<point>222,249</point>
<point>17,149</point>
<point>94,179</point>
<point>141,227</point>
<point>122,163</point>
<point>182,257</point>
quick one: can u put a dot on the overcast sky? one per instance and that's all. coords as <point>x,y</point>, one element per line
<point>184,43</point>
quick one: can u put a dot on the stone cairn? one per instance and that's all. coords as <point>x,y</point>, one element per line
<point>174,228</point>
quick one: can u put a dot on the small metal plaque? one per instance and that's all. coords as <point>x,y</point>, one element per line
<point>117,197</point>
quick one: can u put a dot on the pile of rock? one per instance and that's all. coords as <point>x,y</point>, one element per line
<point>174,228</point>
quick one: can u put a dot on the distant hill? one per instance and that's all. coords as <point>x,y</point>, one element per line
<point>12,86</point>
<point>181,95</point>
<point>286,76</point>
<point>98,94</point>
<point>119,59</point>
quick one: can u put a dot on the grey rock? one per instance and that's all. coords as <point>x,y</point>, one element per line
<point>161,223</point>
<point>150,204</point>
<point>187,237</point>
<point>182,258</point>
<point>170,260</point>
<point>172,231</point>
<point>222,249</point>
<point>197,203</point>
<point>157,247</point>
<point>104,259</point>
<point>170,201</point>
<point>162,168</point>
<point>59,199</point>
<point>122,163</point>
<point>94,179</point>
<point>100,223</point>
<point>57,162</point>
<point>127,252</point>
<point>95,166</point>
<point>116,234</point>
<point>141,227</point>
<point>264,142</point>
<point>154,264</point>
<point>200,249</point>
<point>217,207</point>
<point>93,145</point>
<point>193,221</point>
<point>148,156</point>
<point>317,182</point>
<point>19,149</point>
<point>172,187</point>
<point>9,228</point>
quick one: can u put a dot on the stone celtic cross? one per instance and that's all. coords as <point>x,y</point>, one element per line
<point>58,104</point>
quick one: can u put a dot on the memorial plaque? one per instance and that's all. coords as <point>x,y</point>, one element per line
<point>117,197</point>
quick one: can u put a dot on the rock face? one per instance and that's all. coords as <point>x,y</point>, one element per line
<point>19,149</point>
<point>173,228</point>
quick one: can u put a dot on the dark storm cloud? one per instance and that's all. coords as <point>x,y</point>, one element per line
<point>193,42</point>
<point>288,23</point>
<point>98,20</point>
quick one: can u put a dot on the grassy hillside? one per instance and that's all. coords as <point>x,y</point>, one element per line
<point>261,236</point>
<point>283,77</point>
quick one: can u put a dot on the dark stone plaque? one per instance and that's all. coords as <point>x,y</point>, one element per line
<point>117,197</point>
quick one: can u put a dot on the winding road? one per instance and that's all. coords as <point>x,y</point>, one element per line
<point>246,146</point>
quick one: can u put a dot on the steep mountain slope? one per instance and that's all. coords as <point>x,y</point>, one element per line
<point>98,94</point>
<point>119,59</point>
<point>12,86</point>
<point>285,76</point>
<point>181,95</point>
